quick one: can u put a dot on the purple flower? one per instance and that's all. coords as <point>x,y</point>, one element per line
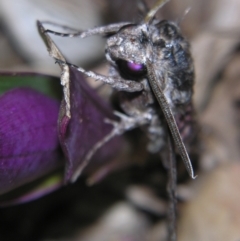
<point>34,134</point>
<point>32,129</point>
<point>29,146</point>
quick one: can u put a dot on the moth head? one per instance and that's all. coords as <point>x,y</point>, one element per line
<point>128,43</point>
<point>126,50</point>
<point>129,48</point>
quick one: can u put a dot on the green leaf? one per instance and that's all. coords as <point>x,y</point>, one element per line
<point>45,84</point>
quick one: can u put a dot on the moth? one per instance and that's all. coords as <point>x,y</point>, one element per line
<point>152,73</point>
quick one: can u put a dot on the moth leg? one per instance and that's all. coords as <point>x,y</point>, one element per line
<point>59,25</point>
<point>171,189</point>
<point>142,7</point>
<point>126,123</point>
<point>116,82</point>
<point>102,30</point>
<point>89,155</point>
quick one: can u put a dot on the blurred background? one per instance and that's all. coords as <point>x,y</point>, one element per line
<point>128,206</point>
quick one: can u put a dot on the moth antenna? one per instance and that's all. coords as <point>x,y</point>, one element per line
<point>151,14</point>
<point>184,15</point>
<point>142,7</point>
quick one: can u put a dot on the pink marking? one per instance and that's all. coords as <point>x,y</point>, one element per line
<point>135,66</point>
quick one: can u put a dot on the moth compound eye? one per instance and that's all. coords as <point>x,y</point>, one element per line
<point>131,70</point>
<point>134,66</point>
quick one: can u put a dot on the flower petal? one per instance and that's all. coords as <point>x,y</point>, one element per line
<point>29,146</point>
<point>86,126</point>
